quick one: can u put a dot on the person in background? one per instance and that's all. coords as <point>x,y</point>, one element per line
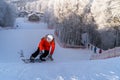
<point>100,51</point>
<point>91,47</point>
<point>95,49</point>
<point>45,48</point>
<point>88,45</point>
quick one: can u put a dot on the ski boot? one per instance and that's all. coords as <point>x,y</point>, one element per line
<point>32,59</point>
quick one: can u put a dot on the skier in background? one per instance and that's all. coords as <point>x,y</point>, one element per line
<point>91,47</point>
<point>46,48</point>
<point>95,49</point>
<point>88,45</point>
<point>100,51</point>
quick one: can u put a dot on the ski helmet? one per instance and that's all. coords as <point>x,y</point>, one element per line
<point>49,37</point>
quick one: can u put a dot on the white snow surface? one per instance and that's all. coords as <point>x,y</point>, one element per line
<point>68,64</point>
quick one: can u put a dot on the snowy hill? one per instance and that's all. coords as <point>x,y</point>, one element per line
<point>68,64</point>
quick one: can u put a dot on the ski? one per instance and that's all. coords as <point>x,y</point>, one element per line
<point>29,61</point>
<point>26,60</point>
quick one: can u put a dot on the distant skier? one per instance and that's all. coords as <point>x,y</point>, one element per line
<point>88,45</point>
<point>95,49</point>
<point>91,47</point>
<point>100,51</point>
<point>46,48</point>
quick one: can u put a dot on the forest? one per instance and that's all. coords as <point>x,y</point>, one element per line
<point>72,18</point>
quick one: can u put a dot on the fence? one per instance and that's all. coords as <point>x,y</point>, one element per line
<point>115,52</point>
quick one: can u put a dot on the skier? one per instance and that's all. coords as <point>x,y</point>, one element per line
<point>45,48</point>
<point>100,51</point>
<point>91,47</point>
<point>88,45</point>
<point>95,49</point>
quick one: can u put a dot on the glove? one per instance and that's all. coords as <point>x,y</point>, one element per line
<point>50,56</point>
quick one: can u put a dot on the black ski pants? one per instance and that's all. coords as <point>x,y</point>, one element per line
<point>42,55</point>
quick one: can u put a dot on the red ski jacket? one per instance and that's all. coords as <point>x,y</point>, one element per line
<point>45,45</point>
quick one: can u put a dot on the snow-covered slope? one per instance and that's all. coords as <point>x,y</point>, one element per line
<point>68,64</point>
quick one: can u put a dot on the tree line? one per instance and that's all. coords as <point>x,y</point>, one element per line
<point>71,18</point>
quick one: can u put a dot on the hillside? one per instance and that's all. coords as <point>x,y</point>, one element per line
<point>68,64</point>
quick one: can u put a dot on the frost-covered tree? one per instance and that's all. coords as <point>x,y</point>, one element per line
<point>106,13</point>
<point>37,6</point>
<point>108,38</point>
<point>107,17</point>
<point>96,17</point>
<point>30,6</point>
<point>7,14</point>
<point>73,18</point>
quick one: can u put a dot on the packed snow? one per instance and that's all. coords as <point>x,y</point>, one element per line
<point>68,64</point>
